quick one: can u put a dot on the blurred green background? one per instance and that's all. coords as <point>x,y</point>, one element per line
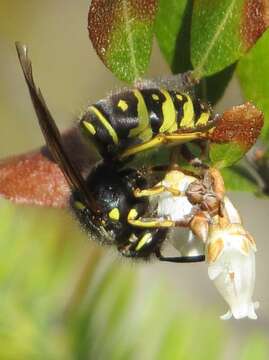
<point>63,297</point>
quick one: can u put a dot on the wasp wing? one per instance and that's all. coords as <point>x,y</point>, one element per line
<point>51,132</point>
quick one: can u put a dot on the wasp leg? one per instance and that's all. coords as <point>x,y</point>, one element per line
<point>151,223</point>
<point>156,190</point>
<point>144,244</point>
<point>179,259</point>
<point>167,168</point>
<point>160,223</point>
<point>161,139</point>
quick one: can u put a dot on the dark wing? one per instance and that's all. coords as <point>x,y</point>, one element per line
<point>51,132</point>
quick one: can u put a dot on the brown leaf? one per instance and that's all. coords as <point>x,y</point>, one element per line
<point>121,32</point>
<point>255,21</point>
<point>35,179</point>
<point>241,124</point>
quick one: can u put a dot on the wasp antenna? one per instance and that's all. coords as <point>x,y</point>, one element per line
<point>51,132</point>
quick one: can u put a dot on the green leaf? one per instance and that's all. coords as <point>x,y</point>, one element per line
<point>222,31</point>
<point>254,78</point>
<point>172,29</point>
<point>237,178</point>
<point>223,155</point>
<point>121,32</point>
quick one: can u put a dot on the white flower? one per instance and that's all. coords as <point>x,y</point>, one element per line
<point>230,252</point>
<point>175,207</point>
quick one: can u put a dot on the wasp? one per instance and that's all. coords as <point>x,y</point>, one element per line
<point>152,114</point>
<point>106,202</point>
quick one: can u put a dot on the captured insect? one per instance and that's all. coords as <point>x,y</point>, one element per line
<point>104,205</point>
<point>184,199</point>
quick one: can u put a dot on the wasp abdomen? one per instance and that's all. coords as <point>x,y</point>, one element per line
<point>135,116</point>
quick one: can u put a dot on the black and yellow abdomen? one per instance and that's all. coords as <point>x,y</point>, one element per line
<point>137,116</point>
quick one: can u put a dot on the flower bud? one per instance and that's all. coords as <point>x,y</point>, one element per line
<point>230,253</point>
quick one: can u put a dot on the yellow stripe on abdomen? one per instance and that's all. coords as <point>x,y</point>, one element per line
<point>188,114</point>
<point>105,123</point>
<point>169,114</point>
<point>203,119</point>
<point>142,114</point>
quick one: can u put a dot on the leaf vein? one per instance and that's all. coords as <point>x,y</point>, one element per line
<point>130,40</point>
<point>219,29</point>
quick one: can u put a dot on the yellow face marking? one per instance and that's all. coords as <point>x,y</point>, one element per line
<point>188,111</point>
<point>89,127</point>
<point>143,116</point>
<point>79,205</point>
<point>179,97</point>
<point>114,214</point>
<point>122,104</point>
<point>143,241</point>
<point>132,214</point>
<point>203,119</point>
<point>155,97</point>
<point>169,114</point>
<point>105,123</point>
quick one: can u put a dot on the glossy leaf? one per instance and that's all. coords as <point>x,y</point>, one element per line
<point>173,32</point>
<point>226,154</point>
<point>172,29</point>
<point>235,133</point>
<point>254,78</point>
<point>222,31</point>
<point>121,32</point>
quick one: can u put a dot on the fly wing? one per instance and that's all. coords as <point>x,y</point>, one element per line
<point>51,132</point>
